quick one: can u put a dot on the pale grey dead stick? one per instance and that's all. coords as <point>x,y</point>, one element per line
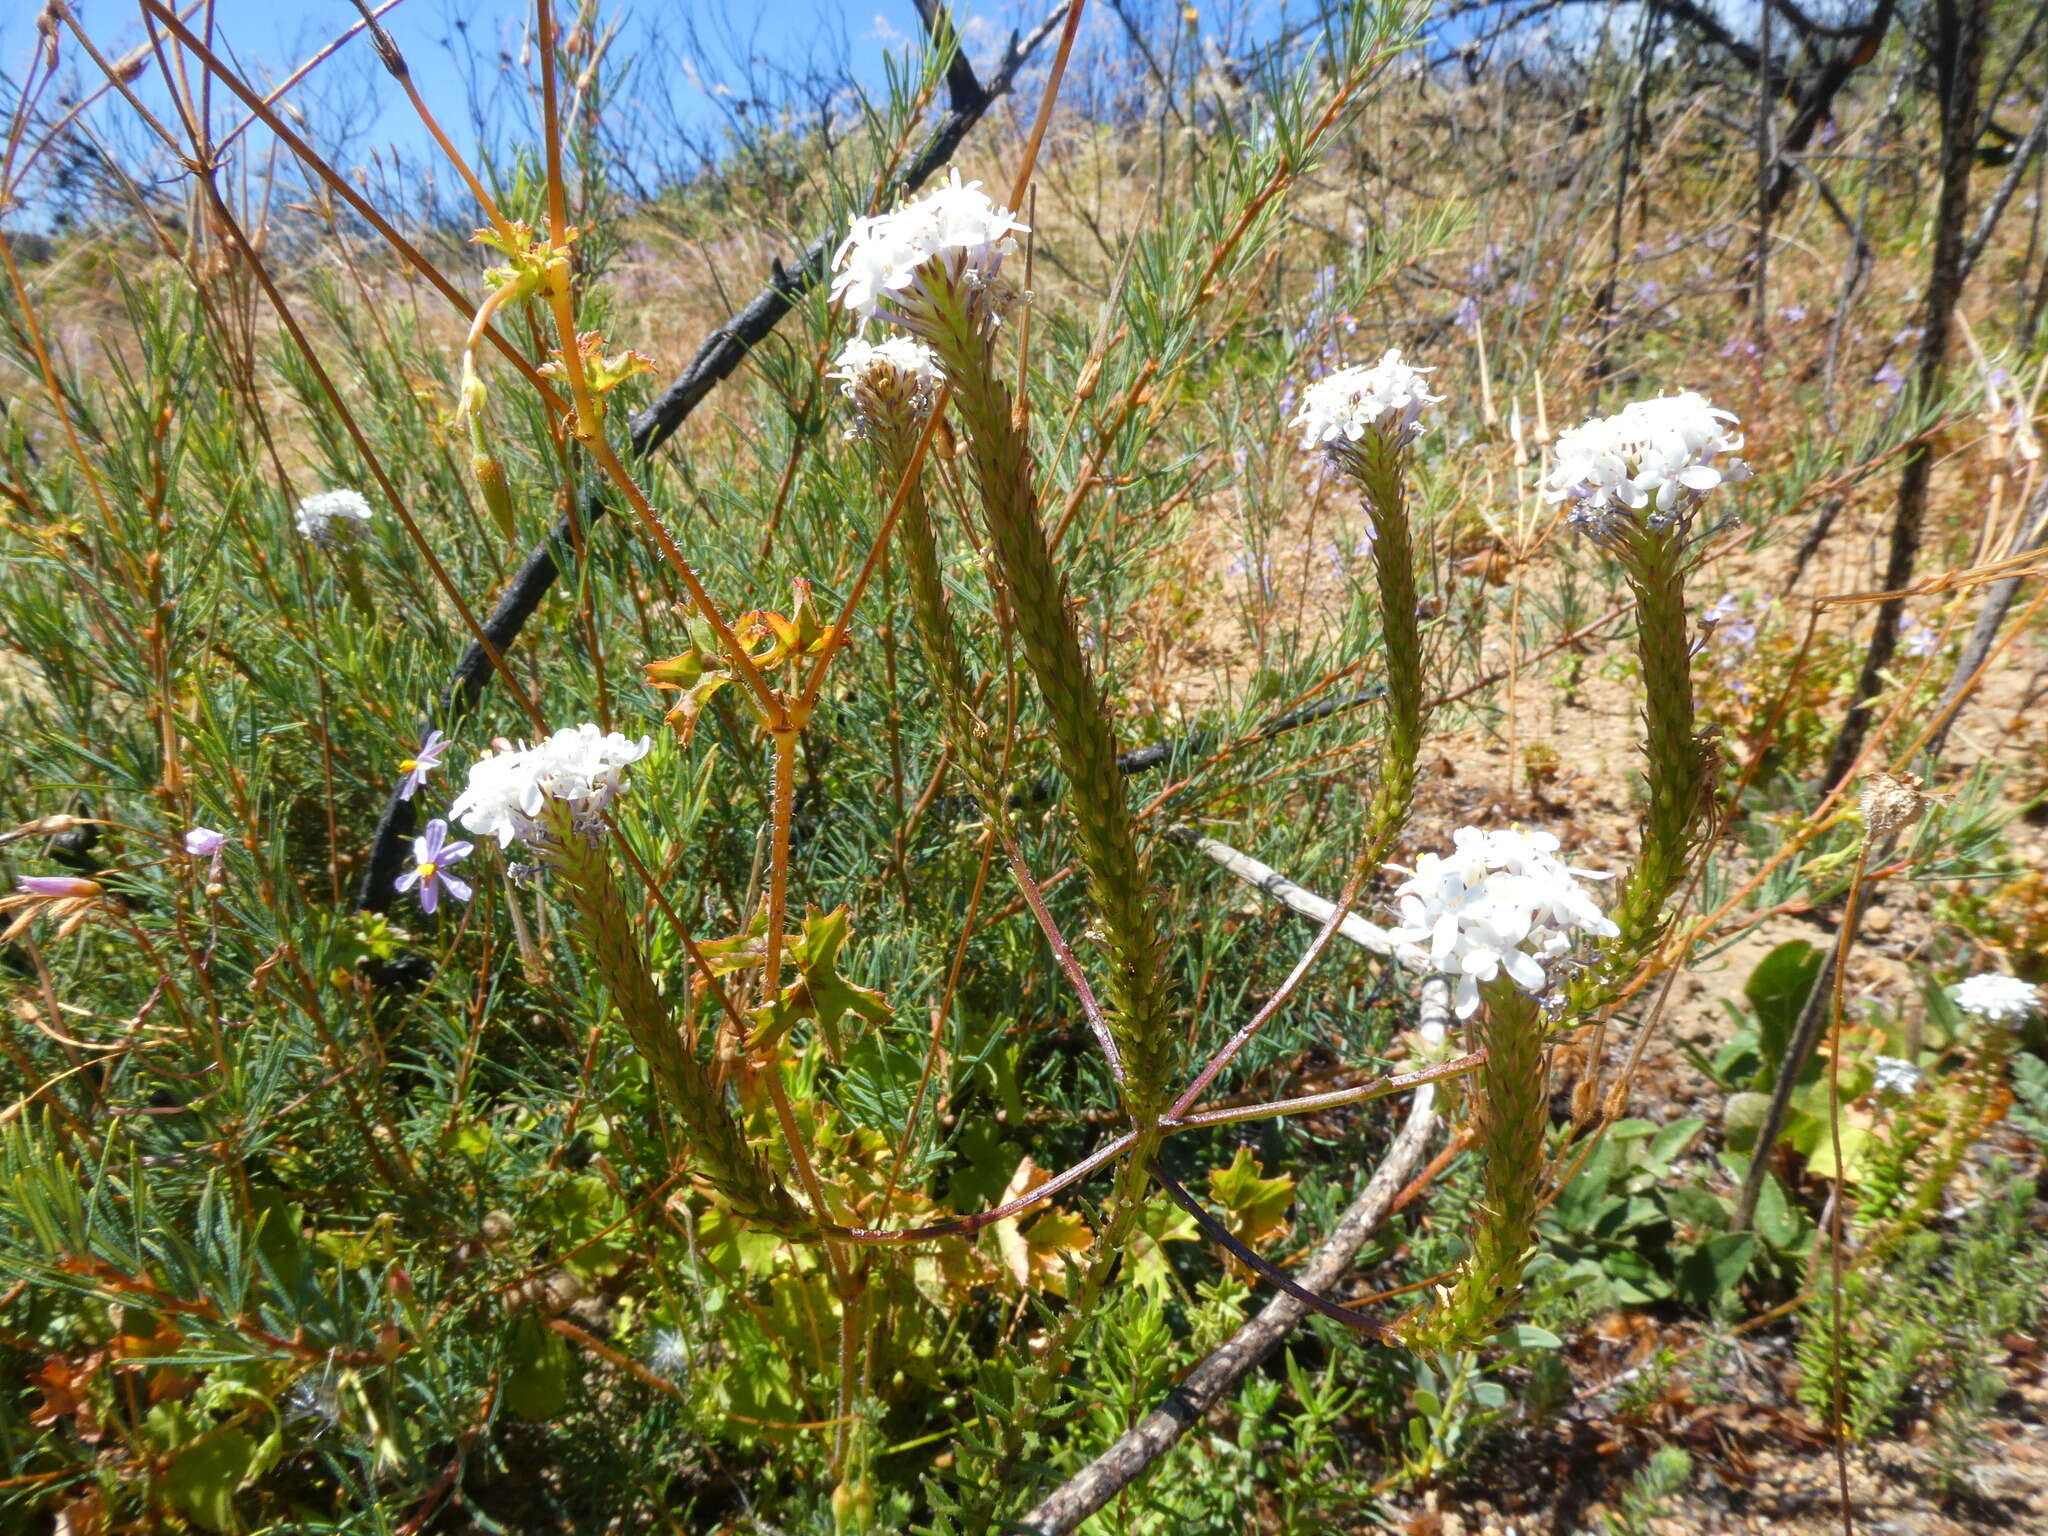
<point>1283,890</point>
<point>1216,1377</point>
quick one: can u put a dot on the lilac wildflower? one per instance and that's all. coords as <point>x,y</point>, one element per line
<point>1740,345</point>
<point>1468,313</point>
<point>205,843</point>
<point>432,854</point>
<point>420,764</point>
<point>57,885</point>
<point>1917,639</point>
<point>1792,314</point>
<point>1890,377</point>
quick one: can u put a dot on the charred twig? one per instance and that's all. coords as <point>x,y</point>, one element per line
<point>1960,27</point>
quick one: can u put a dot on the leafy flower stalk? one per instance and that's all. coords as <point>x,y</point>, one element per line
<point>550,799</point>
<point>1368,420</point>
<point>893,386</point>
<point>1497,913</point>
<point>1510,1114</point>
<point>933,270</point>
<point>1634,482</point>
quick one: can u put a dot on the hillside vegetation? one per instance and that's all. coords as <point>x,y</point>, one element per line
<point>1225,773</point>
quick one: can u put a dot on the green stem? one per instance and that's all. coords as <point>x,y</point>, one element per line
<point>604,925</point>
<point>1378,463</point>
<point>1140,1016</point>
<point>1510,1114</point>
<point>973,746</point>
<point>1676,768</point>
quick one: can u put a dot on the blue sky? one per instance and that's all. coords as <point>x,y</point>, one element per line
<point>454,48</point>
<point>271,37</point>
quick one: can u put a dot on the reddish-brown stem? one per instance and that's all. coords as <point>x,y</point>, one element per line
<point>963,1226</point>
<point>1035,900</point>
<point>1276,1002</point>
<point>1378,1089</point>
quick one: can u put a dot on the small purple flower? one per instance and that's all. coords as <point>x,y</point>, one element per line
<point>1740,346</point>
<point>1718,237</point>
<point>432,853</point>
<point>58,885</point>
<point>1918,639</point>
<point>1729,625</point>
<point>1792,314</point>
<point>1468,314</point>
<point>1521,293</point>
<point>1890,377</point>
<point>1827,134</point>
<point>1908,336</point>
<point>420,764</point>
<point>205,843</point>
<point>1650,293</point>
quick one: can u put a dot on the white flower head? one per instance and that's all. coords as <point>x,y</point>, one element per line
<point>1654,459</point>
<point>1340,408</point>
<point>578,765</point>
<point>1893,1074</point>
<point>332,518</point>
<point>1996,998</point>
<point>890,382</point>
<point>894,266</point>
<point>1500,901</point>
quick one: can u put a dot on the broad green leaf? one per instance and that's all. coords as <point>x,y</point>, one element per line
<point>1713,1269</point>
<point>1255,1206</point>
<point>538,1373</point>
<point>1777,990</point>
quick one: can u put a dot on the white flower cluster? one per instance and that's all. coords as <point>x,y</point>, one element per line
<point>888,259</point>
<point>579,765</point>
<point>893,380</point>
<point>1996,998</point>
<point>1894,1074</point>
<point>1501,901</point>
<point>1342,407</point>
<point>332,517</point>
<point>1656,454</point>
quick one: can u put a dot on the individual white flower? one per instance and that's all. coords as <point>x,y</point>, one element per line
<point>1996,998</point>
<point>1342,407</point>
<point>1895,1075</point>
<point>1655,455</point>
<point>332,517</point>
<point>579,765</point>
<point>891,265</point>
<point>668,1356</point>
<point>892,381</point>
<point>1499,901</point>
